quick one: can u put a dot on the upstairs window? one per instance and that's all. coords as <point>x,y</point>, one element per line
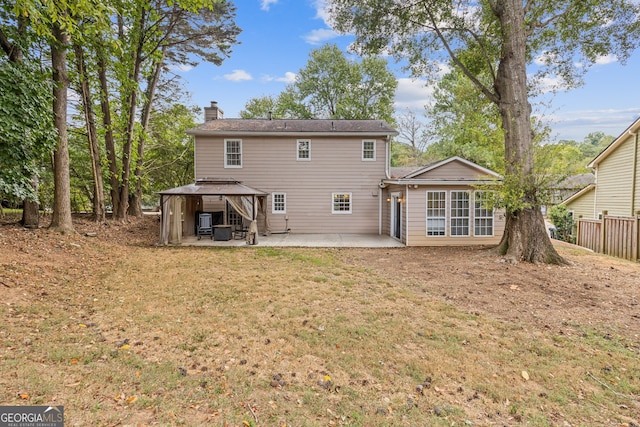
<point>304,149</point>
<point>341,203</point>
<point>232,153</point>
<point>368,150</point>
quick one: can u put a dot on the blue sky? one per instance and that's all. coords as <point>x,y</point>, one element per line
<point>277,36</point>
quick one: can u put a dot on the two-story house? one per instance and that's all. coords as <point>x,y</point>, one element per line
<point>617,176</point>
<point>328,176</point>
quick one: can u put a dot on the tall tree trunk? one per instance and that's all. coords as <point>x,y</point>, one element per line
<point>131,103</point>
<point>525,237</point>
<point>61,217</point>
<point>92,137</point>
<point>109,140</point>
<point>31,208</point>
<point>135,202</point>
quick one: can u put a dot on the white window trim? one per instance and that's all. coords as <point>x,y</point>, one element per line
<point>273,204</point>
<point>227,165</point>
<point>333,196</point>
<point>493,218</point>
<point>446,216</point>
<point>451,218</point>
<point>374,150</point>
<point>303,159</point>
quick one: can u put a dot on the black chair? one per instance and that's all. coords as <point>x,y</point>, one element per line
<point>204,227</point>
<point>240,230</point>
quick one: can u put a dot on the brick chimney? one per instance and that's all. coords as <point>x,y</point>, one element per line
<point>213,112</point>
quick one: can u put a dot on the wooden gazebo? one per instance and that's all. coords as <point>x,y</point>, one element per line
<point>180,205</point>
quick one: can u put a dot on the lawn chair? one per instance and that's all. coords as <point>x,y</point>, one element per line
<point>204,227</point>
<point>240,230</point>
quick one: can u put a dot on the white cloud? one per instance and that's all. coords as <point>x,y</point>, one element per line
<point>183,68</point>
<point>322,12</point>
<point>319,36</point>
<point>606,59</point>
<point>288,77</point>
<point>577,124</point>
<point>413,94</point>
<point>547,84</point>
<point>266,4</point>
<point>238,76</point>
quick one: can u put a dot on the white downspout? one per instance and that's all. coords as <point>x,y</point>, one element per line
<point>635,172</point>
<point>387,176</point>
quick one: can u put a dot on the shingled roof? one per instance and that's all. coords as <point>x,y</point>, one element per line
<point>293,126</point>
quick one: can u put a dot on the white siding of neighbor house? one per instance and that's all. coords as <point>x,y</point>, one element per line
<point>336,166</point>
<point>614,189</point>
<point>582,206</point>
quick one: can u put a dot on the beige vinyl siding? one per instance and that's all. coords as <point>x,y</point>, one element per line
<point>615,181</point>
<point>452,171</point>
<point>416,212</point>
<point>582,207</point>
<point>269,164</point>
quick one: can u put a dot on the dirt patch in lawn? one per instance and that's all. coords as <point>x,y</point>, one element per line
<point>593,289</point>
<point>125,333</point>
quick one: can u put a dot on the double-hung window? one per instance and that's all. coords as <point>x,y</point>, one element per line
<point>368,150</point>
<point>279,203</point>
<point>232,153</point>
<point>303,149</point>
<point>341,203</point>
<point>459,211</point>
<point>436,213</point>
<point>483,214</point>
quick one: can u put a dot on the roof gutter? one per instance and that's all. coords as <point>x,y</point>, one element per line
<point>196,132</point>
<point>413,181</point>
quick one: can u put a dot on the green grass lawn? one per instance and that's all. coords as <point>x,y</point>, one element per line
<point>286,337</point>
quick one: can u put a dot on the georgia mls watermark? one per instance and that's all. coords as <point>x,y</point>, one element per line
<point>31,416</point>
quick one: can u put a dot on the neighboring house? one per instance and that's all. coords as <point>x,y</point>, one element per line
<point>567,188</point>
<point>331,176</point>
<point>617,183</point>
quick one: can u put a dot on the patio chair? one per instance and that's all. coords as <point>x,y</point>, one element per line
<point>240,230</point>
<point>204,227</point>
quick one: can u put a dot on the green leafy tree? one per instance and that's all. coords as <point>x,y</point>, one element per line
<point>463,122</point>
<point>26,129</point>
<point>503,36</point>
<point>169,159</point>
<point>331,86</point>
<point>130,60</point>
<point>260,108</point>
<point>562,220</point>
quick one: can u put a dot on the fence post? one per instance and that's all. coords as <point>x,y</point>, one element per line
<point>603,233</point>
<point>578,230</point>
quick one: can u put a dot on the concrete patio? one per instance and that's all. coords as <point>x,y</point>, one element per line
<point>303,240</point>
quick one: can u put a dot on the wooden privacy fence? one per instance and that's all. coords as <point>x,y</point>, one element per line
<point>613,235</point>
